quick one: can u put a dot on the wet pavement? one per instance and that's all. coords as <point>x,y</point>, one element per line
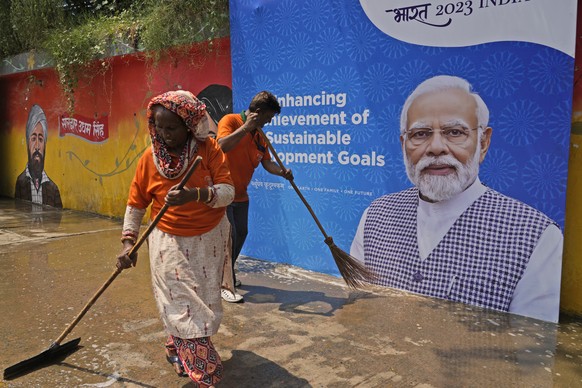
<point>296,328</point>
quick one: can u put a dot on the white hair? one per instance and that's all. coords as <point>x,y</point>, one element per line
<point>440,83</point>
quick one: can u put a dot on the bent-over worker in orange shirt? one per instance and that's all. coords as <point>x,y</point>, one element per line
<point>245,149</point>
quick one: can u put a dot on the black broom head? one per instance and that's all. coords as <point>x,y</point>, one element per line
<point>54,354</point>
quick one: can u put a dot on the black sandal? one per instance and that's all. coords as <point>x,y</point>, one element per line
<point>177,364</point>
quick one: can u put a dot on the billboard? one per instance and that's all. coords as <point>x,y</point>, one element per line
<point>342,71</point>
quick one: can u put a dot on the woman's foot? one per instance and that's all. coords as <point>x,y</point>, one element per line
<point>173,359</point>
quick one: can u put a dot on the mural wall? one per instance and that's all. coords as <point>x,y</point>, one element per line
<point>89,157</point>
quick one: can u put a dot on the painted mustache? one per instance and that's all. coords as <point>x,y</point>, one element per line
<point>35,154</point>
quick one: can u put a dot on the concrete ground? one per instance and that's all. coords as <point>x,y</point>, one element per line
<point>296,329</point>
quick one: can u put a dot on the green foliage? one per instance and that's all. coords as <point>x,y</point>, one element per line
<point>33,20</point>
<point>75,33</point>
<point>9,45</point>
<point>177,22</point>
<point>73,49</point>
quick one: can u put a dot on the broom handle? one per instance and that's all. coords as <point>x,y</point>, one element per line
<point>134,249</point>
<point>293,183</point>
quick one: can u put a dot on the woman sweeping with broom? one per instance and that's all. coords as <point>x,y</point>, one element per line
<point>190,247</point>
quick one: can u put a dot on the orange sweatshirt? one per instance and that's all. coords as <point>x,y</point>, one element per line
<point>245,157</point>
<point>192,218</point>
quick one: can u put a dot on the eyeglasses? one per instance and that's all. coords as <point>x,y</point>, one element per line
<point>453,135</point>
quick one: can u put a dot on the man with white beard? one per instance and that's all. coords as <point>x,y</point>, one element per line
<point>450,236</point>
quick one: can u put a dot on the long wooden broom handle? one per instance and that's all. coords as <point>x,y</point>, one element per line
<point>293,183</point>
<point>134,249</point>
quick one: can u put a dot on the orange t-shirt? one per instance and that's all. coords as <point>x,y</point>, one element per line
<point>192,218</point>
<point>244,158</point>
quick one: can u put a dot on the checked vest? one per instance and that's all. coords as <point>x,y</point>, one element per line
<point>479,261</point>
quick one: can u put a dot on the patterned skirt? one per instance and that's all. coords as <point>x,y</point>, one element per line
<point>199,358</point>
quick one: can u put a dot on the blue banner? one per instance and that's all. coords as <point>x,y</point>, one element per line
<point>342,71</point>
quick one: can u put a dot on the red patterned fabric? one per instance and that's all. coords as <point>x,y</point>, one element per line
<point>200,360</point>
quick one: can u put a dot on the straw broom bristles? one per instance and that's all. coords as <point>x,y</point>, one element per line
<point>354,273</point>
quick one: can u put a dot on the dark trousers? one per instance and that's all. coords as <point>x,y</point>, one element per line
<point>238,216</point>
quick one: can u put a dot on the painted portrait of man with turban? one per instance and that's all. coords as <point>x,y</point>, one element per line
<point>33,184</point>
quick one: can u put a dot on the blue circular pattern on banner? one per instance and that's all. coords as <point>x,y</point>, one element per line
<point>521,123</point>
<point>300,50</point>
<point>432,51</point>
<point>411,74</point>
<point>501,74</point>
<point>387,124</point>
<point>558,126</point>
<point>544,177</point>
<point>379,79</point>
<point>460,65</point>
<point>287,17</point>
<point>498,170</point>
<point>350,210</point>
<point>345,78</point>
<point>261,24</point>
<point>315,15</point>
<point>263,82</point>
<point>549,73</point>
<point>303,233</point>
<point>268,53</point>
<point>344,12</point>
<point>343,174</point>
<point>395,49</point>
<point>287,81</point>
<point>329,46</point>
<point>315,79</point>
<point>358,43</point>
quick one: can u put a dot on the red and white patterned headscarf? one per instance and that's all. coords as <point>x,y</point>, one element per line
<point>191,110</point>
